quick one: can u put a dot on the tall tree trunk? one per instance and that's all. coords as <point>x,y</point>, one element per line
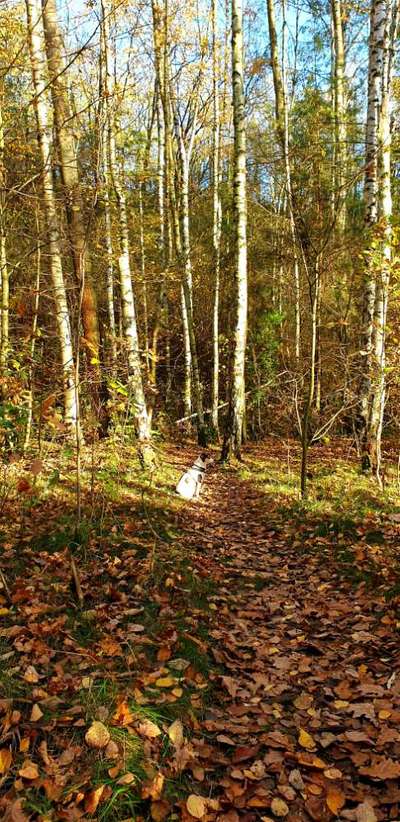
<point>234,430</point>
<point>39,78</point>
<point>127,296</point>
<point>29,417</point>
<point>340,152</point>
<point>109,249</point>
<point>216,179</point>
<point>305,432</point>
<point>371,389</point>
<point>66,144</point>
<point>183,156</point>
<point>385,209</point>
<point>4,273</point>
<point>282,127</point>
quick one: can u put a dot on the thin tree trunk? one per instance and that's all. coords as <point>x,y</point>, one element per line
<point>4,273</point>
<point>66,143</point>
<point>109,252</point>
<point>234,430</point>
<point>305,433</point>
<point>216,179</point>
<point>39,77</point>
<point>184,155</point>
<point>282,127</point>
<point>127,296</point>
<point>340,152</point>
<point>372,296</point>
<point>33,333</point>
<point>385,209</point>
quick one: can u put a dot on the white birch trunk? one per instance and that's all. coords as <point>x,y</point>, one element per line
<point>40,82</point>
<point>340,152</point>
<point>217,216</point>
<point>127,296</point>
<point>234,432</point>
<point>385,209</point>
<point>4,273</point>
<point>371,389</point>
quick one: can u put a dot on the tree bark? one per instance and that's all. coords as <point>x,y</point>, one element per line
<point>39,78</point>
<point>340,153</point>
<point>67,155</point>
<point>282,127</point>
<point>217,215</point>
<point>235,421</point>
<point>4,272</point>
<point>378,204</point>
<point>140,414</point>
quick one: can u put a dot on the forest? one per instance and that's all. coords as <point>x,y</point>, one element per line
<point>199,393</point>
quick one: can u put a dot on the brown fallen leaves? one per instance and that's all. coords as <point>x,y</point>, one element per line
<point>300,669</point>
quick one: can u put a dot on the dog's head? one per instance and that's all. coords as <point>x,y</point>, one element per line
<point>206,459</point>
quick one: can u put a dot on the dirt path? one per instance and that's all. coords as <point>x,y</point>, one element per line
<point>304,720</point>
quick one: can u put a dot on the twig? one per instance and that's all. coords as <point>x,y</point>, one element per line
<point>77,581</point>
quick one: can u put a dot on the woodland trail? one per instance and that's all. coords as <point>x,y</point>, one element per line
<point>303,722</point>
<point>239,653</point>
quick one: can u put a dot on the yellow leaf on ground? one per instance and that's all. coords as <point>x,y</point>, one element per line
<point>196,806</point>
<point>279,807</point>
<point>36,713</point>
<point>165,682</point>
<point>31,675</point>
<point>175,733</point>
<point>306,740</point>
<point>148,729</point>
<point>98,736</point>
<point>5,760</point>
<point>335,799</point>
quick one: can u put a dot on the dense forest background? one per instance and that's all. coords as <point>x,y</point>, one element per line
<point>122,143</point>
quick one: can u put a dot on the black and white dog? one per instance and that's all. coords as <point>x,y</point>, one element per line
<point>189,485</point>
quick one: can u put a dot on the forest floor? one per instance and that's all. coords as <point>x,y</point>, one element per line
<point>234,659</point>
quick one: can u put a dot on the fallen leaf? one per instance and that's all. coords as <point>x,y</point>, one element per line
<point>31,675</point>
<point>175,733</point>
<point>306,740</point>
<point>93,798</point>
<point>148,729</point>
<point>36,713</point>
<point>335,799</point>
<point>279,807</point>
<point>5,760</point>
<point>98,736</point>
<point>165,682</point>
<point>126,779</point>
<point>29,770</point>
<point>196,805</point>
<point>333,773</point>
<point>382,769</point>
<point>160,809</point>
<point>365,813</point>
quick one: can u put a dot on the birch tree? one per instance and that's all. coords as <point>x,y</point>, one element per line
<point>127,295</point>
<point>282,128</point>
<point>235,422</point>
<point>4,272</point>
<point>340,153</point>
<point>65,128</point>
<point>217,213</point>
<point>40,84</point>
<point>378,209</point>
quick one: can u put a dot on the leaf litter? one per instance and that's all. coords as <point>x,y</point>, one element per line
<point>227,669</point>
